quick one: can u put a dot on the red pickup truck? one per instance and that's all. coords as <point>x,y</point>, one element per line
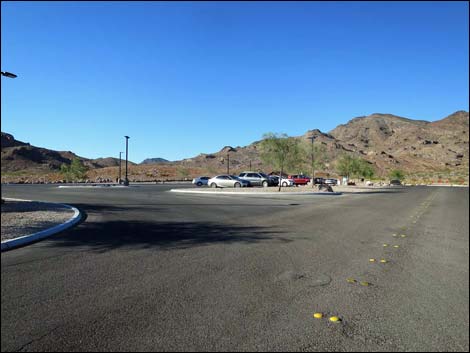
<point>300,179</point>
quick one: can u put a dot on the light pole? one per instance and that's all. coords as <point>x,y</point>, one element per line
<point>120,167</point>
<point>228,164</point>
<point>9,75</point>
<point>313,166</point>
<point>126,181</point>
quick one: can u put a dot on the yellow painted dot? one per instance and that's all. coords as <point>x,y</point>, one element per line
<point>396,246</point>
<point>351,280</point>
<point>383,261</point>
<point>385,245</point>
<point>371,260</point>
<point>364,283</point>
<point>318,315</point>
<point>335,319</point>
<point>403,235</point>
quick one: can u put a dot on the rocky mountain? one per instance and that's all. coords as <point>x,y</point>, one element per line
<point>154,161</point>
<point>18,156</point>
<point>418,147</point>
<point>386,141</point>
<point>392,142</point>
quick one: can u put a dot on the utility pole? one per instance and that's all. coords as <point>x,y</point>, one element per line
<point>228,164</point>
<point>9,75</point>
<point>313,162</point>
<point>120,168</point>
<point>126,181</point>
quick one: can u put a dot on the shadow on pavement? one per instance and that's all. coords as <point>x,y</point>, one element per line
<point>133,234</point>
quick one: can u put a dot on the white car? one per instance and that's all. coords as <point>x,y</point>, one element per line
<point>201,180</point>
<point>287,182</point>
<point>284,181</point>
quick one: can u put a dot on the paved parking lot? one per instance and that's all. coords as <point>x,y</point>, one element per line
<point>154,270</point>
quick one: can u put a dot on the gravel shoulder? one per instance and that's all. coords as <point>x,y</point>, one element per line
<point>21,218</point>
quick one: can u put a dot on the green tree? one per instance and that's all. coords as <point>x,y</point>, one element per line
<point>346,165</point>
<point>366,170</point>
<point>280,152</point>
<point>75,171</point>
<point>350,166</point>
<point>397,174</point>
<point>320,157</point>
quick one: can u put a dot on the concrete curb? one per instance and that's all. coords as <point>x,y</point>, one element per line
<point>189,191</point>
<point>26,239</point>
<point>95,186</point>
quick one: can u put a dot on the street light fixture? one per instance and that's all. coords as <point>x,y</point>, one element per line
<point>313,165</point>
<point>8,74</point>
<point>126,181</point>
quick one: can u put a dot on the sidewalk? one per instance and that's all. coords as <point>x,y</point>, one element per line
<point>25,221</point>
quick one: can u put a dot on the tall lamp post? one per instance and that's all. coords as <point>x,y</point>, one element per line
<point>9,75</point>
<point>120,167</point>
<point>313,165</point>
<point>126,181</point>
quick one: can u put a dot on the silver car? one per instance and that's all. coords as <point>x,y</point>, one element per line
<point>227,181</point>
<point>201,180</point>
<point>331,181</point>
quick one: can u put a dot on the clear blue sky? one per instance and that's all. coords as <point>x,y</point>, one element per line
<point>191,77</point>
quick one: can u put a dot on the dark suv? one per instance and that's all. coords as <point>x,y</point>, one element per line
<point>257,179</point>
<point>319,181</point>
<point>395,182</point>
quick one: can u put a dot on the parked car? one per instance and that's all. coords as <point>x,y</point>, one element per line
<point>201,180</point>
<point>331,181</point>
<point>284,182</point>
<point>395,182</point>
<point>287,182</point>
<point>319,181</point>
<point>224,181</point>
<point>300,179</point>
<point>257,179</point>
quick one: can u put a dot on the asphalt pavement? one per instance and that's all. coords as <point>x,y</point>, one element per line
<point>150,270</point>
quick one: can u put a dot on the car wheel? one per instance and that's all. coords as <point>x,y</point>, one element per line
<point>213,185</point>
<point>284,184</point>
<point>265,184</point>
<point>237,185</point>
<point>199,183</point>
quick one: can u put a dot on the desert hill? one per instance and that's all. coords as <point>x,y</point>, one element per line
<point>21,158</point>
<point>154,161</point>
<point>421,148</point>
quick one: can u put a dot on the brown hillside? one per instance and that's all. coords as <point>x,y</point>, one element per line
<point>420,148</point>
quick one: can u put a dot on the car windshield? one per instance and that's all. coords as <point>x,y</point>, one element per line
<point>263,175</point>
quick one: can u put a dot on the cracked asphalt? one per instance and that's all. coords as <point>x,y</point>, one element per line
<point>149,270</point>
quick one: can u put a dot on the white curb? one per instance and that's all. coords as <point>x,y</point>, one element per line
<point>13,243</point>
<point>94,186</point>
<point>189,191</point>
